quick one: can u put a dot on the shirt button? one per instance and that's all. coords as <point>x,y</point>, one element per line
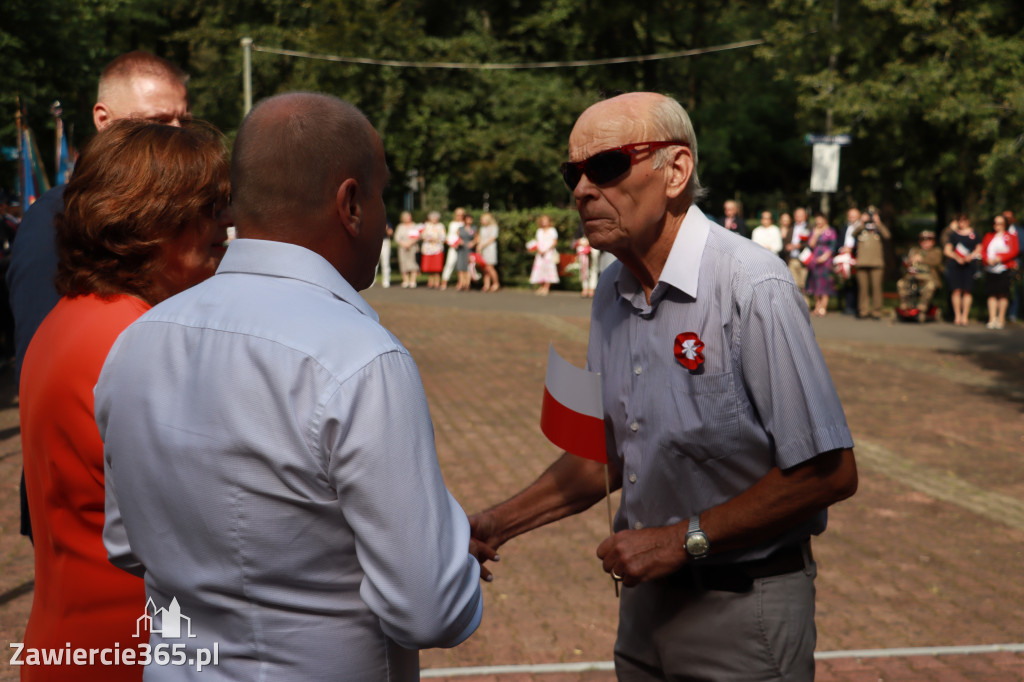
<point>639,525</point>
<point>638,370</point>
<point>634,427</point>
<point>632,478</point>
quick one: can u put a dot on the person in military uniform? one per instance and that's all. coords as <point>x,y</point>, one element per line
<point>923,266</point>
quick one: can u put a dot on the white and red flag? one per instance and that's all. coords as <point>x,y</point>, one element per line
<point>806,256</point>
<point>572,415</point>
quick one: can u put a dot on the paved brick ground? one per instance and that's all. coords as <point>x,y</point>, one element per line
<point>928,553</point>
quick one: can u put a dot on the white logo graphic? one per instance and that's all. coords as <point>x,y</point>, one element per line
<point>170,621</point>
<point>164,622</point>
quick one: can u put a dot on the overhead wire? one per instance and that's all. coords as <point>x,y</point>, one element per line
<point>511,66</point>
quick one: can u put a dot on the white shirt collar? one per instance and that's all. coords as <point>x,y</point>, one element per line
<point>281,259</point>
<point>682,267</point>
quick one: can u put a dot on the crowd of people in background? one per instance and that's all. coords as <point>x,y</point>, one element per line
<point>848,265</point>
<point>472,252</point>
<point>835,267</point>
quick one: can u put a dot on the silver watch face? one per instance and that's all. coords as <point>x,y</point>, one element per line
<point>697,544</point>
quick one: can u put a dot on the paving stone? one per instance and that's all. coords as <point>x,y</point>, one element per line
<point>928,553</point>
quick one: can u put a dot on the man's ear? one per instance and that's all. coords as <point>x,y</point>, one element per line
<point>350,211</point>
<point>101,116</point>
<point>680,169</point>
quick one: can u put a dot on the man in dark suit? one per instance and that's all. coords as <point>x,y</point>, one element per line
<point>733,220</point>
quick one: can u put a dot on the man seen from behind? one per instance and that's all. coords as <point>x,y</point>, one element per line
<point>249,473</point>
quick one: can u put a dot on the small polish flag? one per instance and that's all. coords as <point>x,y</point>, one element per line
<point>806,256</point>
<point>572,416</point>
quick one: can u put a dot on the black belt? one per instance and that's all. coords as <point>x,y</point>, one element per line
<point>739,577</point>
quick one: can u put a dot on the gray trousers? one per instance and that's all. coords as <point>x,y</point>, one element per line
<point>674,634</point>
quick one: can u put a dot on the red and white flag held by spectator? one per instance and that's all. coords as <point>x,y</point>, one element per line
<point>844,265</point>
<point>572,415</point>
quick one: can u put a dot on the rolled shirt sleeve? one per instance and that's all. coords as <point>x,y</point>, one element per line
<point>786,377</point>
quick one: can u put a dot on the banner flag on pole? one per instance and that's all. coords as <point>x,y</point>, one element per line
<point>28,185</point>
<point>572,415</point>
<point>64,162</point>
<point>42,182</point>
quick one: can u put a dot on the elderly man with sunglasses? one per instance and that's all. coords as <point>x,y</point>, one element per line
<point>724,430</point>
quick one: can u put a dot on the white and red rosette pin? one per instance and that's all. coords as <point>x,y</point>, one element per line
<point>689,350</point>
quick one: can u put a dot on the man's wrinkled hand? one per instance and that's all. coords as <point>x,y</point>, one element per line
<point>484,542</point>
<point>641,555</point>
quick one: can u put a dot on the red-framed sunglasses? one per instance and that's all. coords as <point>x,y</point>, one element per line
<point>610,164</point>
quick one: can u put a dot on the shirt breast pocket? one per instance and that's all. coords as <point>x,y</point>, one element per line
<point>706,417</point>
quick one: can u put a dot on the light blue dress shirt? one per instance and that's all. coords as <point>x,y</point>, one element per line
<point>270,464</point>
<point>687,440</point>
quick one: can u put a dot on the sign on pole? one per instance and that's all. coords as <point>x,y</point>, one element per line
<point>825,168</point>
<point>843,140</point>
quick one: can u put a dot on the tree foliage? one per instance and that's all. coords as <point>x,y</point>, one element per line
<point>932,91</point>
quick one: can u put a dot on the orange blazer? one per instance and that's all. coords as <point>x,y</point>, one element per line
<point>79,596</point>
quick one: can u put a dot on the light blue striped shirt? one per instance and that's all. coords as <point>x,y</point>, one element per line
<point>686,440</point>
<point>270,451</point>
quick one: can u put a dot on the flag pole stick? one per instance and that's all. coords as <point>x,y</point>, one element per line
<point>608,499</point>
<point>21,159</point>
<point>58,132</point>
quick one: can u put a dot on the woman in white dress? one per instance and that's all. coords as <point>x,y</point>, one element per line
<point>407,235</point>
<point>487,247</point>
<point>545,263</point>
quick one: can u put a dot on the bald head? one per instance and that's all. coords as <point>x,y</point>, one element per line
<point>292,153</point>
<point>141,85</point>
<point>639,117</point>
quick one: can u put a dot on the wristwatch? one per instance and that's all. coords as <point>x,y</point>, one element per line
<point>697,545</point>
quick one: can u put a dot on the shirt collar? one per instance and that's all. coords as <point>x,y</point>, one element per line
<point>682,267</point>
<point>291,261</point>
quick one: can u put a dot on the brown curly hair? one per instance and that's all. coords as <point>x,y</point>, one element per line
<point>136,186</point>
